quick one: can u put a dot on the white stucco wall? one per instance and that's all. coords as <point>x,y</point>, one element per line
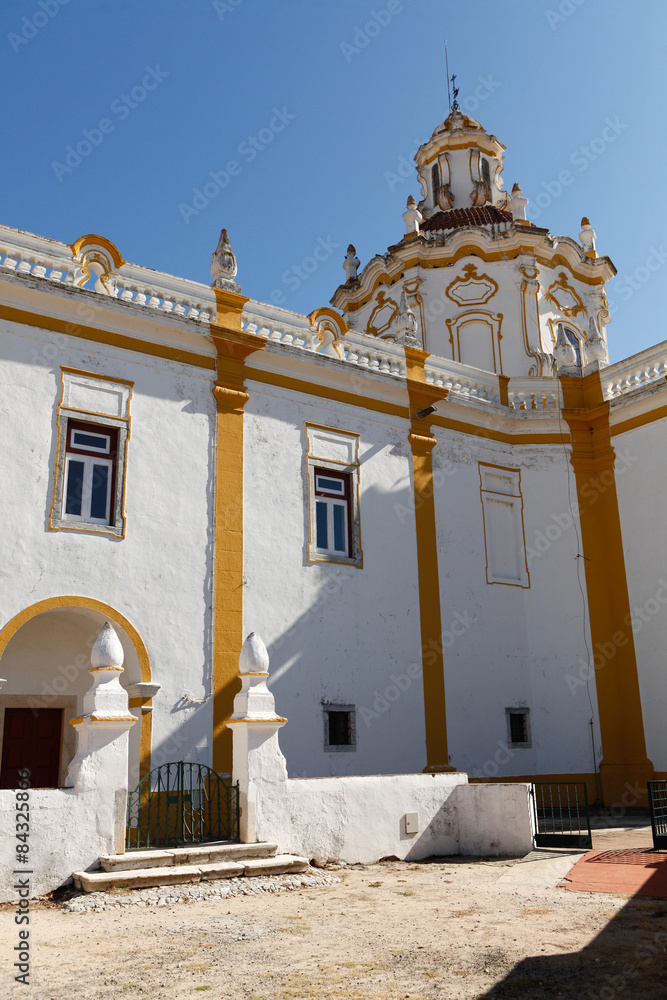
<point>159,575</point>
<point>334,633</point>
<point>641,484</point>
<point>68,832</point>
<point>524,641</point>
<point>362,819</point>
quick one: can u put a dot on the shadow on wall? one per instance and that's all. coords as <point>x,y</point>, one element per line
<point>628,959</point>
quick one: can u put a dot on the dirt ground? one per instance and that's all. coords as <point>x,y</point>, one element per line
<point>446,928</point>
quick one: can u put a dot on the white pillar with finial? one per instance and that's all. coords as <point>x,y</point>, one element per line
<point>257,756</point>
<point>100,762</point>
<point>412,217</point>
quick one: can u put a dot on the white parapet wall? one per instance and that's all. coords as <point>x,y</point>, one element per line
<point>360,818</point>
<point>69,829</point>
<point>408,816</point>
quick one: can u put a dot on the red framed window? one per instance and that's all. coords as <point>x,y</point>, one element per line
<point>90,472</point>
<point>333,527</point>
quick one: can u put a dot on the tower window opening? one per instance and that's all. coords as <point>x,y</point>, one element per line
<point>435,182</point>
<point>576,343</point>
<point>486,177</point>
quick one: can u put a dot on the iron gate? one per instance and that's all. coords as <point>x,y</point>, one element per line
<point>182,803</point>
<point>560,810</point>
<point>657,803</point>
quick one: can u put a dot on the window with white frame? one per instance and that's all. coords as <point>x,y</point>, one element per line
<point>93,430</point>
<point>90,456</point>
<point>333,498</point>
<point>332,512</point>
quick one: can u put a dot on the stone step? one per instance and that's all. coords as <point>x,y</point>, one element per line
<point>138,878</point>
<point>203,854</point>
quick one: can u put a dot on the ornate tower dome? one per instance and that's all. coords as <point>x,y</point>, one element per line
<point>488,289</point>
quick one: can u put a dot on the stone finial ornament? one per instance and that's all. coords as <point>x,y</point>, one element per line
<point>564,352</point>
<point>254,657</point>
<point>223,265</point>
<point>517,204</point>
<point>351,263</point>
<point>107,653</point>
<point>406,324</point>
<point>596,349</point>
<point>412,217</point>
<point>587,237</point>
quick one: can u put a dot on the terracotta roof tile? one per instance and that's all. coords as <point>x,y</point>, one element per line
<point>457,218</point>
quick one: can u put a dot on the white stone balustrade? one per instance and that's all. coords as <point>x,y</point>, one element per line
<point>280,326</point>
<point>462,380</point>
<point>536,392</point>
<point>640,370</point>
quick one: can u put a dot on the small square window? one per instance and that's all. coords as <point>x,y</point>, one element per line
<point>339,728</point>
<point>518,727</point>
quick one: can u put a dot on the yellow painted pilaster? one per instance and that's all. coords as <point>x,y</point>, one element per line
<point>624,759</point>
<point>233,347</point>
<point>422,441</point>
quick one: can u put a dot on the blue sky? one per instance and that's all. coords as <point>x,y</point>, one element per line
<point>307,117</point>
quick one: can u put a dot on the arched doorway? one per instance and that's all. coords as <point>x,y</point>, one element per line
<point>45,661</point>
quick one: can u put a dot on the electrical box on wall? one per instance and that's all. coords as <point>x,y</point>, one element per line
<point>412,822</point>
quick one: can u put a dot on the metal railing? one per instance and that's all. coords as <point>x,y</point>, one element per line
<point>561,815</point>
<point>657,803</point>
<point>182,803</point>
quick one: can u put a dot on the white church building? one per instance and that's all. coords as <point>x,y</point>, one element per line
<point>435,500</point>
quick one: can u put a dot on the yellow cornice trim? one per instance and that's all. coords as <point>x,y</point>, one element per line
<point>465,427</point>
<point>639,421</point>
<point>326,392</point>
<point>100,336</point>
<point>95,375</point>
<point>103,718</point>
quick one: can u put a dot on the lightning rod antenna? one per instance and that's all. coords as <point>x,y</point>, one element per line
<point>449,97</point>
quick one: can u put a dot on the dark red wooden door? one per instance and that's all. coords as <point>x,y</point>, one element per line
<point>31,740</point>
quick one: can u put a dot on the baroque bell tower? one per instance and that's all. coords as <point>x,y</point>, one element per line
<point>487,288</point>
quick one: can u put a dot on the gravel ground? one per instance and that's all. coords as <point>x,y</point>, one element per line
<point>446,929</point>
<point>218,889</point>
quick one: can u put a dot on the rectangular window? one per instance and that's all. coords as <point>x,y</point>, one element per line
<point>333,483</point>
<point>502,512</point>
<point>339,728</point>
<point>332,512</point>
<point>89,473</point>
<point>518,727</point>
<point>93,430</point>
